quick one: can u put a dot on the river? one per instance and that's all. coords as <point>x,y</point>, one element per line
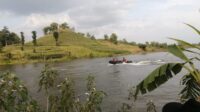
<point>115,80</point>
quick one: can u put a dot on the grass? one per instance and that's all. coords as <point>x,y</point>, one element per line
<point>71,46</point>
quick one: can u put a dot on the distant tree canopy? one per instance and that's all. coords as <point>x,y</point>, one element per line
<point>56,36</point>
<point>124,41</point>
<point>22,38</point>
<point>133,43</point>
<point>88,35</point>
<point>64,26</point>
<point>157,44</point>
<point>106,37</point>
<point>113,38</point>
<point>55,27</point>
<point>93,37</point>
<point>142,46</point>
<point>82,34</point>
<point>47,30</point>
<point>8,38</point>
<point>34,36</point>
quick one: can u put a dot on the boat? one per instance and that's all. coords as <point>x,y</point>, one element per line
<point>119,62</point>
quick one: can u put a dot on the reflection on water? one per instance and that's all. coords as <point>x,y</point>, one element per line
<point>115,80</point>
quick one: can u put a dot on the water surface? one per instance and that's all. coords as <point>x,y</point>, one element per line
<point>115,80</point>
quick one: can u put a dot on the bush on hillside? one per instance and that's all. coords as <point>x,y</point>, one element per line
<point>142,46</point>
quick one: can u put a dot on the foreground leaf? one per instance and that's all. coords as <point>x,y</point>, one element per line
<point>190,51</point>
<point>184,43</point>
<point>158,77</point>
<point>193,28</point>
<point>191,89</point>
<point>176,51</point>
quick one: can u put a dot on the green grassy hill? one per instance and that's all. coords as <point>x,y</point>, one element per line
<point>71,46</point>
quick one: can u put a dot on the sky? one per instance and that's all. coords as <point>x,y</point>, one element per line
<point>134,20</point>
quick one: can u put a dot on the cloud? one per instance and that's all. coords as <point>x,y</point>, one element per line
<point>38,21</point>
<point>84,16</point>
<point>26,7</point>
<point>100,13</point>
<point>135,20</point>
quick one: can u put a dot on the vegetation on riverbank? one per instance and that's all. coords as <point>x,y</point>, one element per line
<point>15,96</point>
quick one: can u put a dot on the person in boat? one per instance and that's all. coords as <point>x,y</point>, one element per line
<point>113,59</point>
<point>124,59</point>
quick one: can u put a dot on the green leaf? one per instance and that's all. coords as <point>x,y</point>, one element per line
<point>193,28</point>
<point>191,89</point>
<point>181,42</point>
<point>175,50</point>
<point>158,77</point>
<point>190,51</point>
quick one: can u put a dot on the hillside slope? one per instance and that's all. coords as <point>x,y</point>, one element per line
<point>71,46</point>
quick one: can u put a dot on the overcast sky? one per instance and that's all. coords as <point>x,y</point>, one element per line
<point>135,20</point>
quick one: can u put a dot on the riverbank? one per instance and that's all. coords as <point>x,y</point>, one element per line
<point>71,45</point>
<point>14,55</point>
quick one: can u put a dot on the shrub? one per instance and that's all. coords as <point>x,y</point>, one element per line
<point>91,55</point>
<point>14,95</point>
<point>46,56</point>
<point>142,46</point>
<point>8,56</point>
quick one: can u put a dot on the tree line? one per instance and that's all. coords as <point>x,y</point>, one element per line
<point>112,38</point>
<point>8,38</point>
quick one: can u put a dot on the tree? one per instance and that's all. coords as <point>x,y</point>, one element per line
<point>124,41</point>
<point>190,81</point>
<point>54,26</point>
<point>34,36</point>
<point>6,33</point>
<point>113,38</point>
<point>8,38</point>
<point>147,43</point>
<point>92,37</point>
<point>47,30</point>
<point>133,43</point>
<point>64,26</point>
<point>88,35</point>
<point>56,36</point>
<point>22,40</point>
<point>82,34</point>
<point>106,37</point>
<point>13,39</point>
<point>142,46</point>
<point>1,47</point>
